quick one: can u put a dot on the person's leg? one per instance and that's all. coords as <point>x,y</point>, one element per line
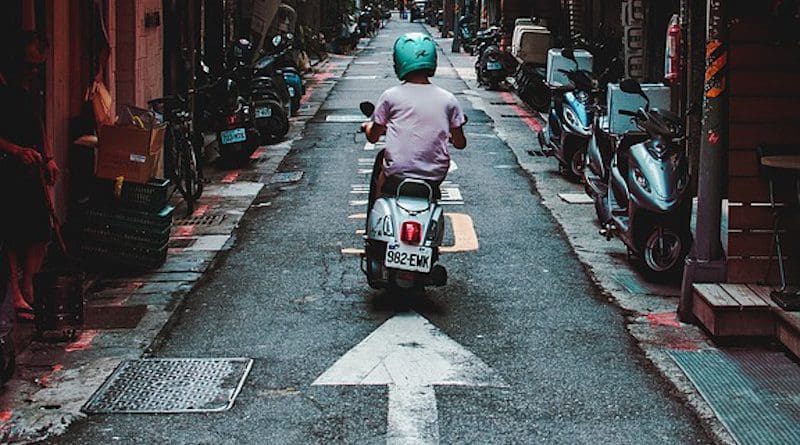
<point>14,288</point>
<point>7,313</point>
<point>34,259</point>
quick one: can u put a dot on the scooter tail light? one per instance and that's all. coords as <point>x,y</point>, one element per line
<point>411,232</point>
<point>232,120</point>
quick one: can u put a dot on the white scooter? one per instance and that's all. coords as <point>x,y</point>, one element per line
<point>403,234</point>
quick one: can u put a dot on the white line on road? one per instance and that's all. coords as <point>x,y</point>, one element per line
<point>345,118</point>
<point>410,355</point>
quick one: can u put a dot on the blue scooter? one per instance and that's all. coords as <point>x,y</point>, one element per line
<point>571,120</point>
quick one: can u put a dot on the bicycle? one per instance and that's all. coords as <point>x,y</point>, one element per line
<point>182,148</point>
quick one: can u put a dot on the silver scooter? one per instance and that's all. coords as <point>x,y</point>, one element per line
<point>403,234</point>
<point>647,203</point>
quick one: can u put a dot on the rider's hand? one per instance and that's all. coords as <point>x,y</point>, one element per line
<point>53,172</point>
<point>366,127</point>
<point>29,156</point>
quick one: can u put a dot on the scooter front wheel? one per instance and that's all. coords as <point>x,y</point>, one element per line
<point>663,252</point>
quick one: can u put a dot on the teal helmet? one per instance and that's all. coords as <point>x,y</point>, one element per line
<point>413,52</point>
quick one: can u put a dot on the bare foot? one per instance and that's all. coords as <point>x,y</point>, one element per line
<point>20,302</point>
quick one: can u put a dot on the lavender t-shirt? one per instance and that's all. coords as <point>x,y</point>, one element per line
<point>418,119</point>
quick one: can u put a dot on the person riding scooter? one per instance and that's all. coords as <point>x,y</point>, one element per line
<point>417,117</point>
<point>405,224</point>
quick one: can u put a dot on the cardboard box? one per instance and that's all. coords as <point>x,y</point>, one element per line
<point>659,95</point>
<point>555,61</point>
<point>131,152</point>
<point>530,43</point>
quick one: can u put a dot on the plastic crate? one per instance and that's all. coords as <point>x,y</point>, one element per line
<point>108,255</point>
<point>151,196</point>
<point>124,239</point>
<point>122,220</point>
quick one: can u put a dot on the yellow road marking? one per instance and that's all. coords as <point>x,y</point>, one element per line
<point>466,239</point>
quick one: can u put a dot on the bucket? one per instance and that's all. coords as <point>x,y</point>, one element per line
<point>59,302</point>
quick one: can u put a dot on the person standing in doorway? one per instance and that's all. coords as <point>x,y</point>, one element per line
<point>26,156</point>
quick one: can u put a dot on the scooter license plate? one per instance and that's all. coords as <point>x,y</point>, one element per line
<point>411,258</point>
<point>262,112</point>
<point>494,66</point>
<point>233,136</point>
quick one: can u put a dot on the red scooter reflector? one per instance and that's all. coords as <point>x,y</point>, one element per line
<point>411,232</point>
<point>233,119</point>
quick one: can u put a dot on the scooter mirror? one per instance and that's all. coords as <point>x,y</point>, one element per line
<point>367,108</point>
<point>630,86</point>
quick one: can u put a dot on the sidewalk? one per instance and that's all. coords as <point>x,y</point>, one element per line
<point>683,353</point>
<point>125,315</point>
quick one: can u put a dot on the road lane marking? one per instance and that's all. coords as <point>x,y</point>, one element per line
<point>359,202</point>
<point>466,239</point>
<point>345,118</point>
<point>410,356</point>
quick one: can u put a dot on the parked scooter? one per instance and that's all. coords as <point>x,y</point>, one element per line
<point>283,44</point>
<point>233,123</point>
<point>570,120</point>
<point>492,65</point>
<point>646,203</point>
<point>403,235</point>
<point>466,27</point>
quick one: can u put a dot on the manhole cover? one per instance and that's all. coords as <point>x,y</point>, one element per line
<point>282,177</point>
<point>171,386</point>
<point>202,220</point>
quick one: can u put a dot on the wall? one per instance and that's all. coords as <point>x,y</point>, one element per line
<point>764,95</point>
<point>139,53</point>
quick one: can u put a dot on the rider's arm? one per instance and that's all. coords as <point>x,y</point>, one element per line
<point>374,131</point>
<point>457,138</point>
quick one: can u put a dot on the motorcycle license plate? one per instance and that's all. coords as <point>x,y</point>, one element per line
<point>262,112</point>
<point>494,66</point>
<point>233,136</point>
<point>405,257</point>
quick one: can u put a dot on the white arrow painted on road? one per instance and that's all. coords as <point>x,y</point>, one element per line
<point>410,355</point>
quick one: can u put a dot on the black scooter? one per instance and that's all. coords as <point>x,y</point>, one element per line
<point>492,65</point>
<point>646,202</point>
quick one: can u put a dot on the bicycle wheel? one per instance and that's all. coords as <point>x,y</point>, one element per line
<point>188,183</point>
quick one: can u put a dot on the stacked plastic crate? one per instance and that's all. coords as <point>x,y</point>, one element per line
<point>127,224</point>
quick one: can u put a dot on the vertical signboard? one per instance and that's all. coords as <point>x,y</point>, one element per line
<point>633,38</point>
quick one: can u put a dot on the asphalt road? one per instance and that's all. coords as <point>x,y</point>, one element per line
<point>288,297</point>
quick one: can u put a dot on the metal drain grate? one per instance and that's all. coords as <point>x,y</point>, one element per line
<point>539,153</point>
<point>283,177</point>
<point>162,386</point>
<point>202,220</point>
<point>755,394</point>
